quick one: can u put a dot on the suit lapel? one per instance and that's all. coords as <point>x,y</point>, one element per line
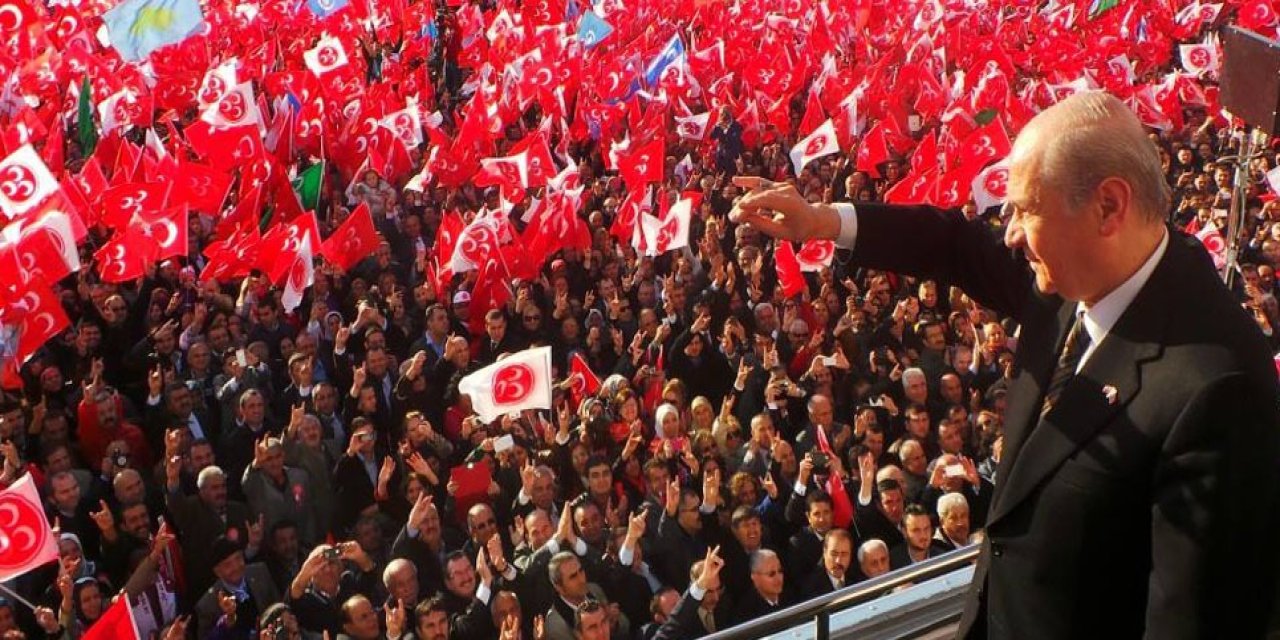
<point>1110,379</point>
<point>1046,325</point>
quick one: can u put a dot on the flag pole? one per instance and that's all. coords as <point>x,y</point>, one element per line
<point>17,597</point>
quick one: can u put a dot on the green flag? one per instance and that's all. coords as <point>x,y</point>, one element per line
<point>308,186</point>
<point>1099,7</point>
<point>88,131</point>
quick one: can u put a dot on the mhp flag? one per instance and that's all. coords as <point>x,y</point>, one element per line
<point>138,27</point>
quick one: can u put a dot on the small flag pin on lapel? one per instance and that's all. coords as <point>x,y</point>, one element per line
<point>1111,393</point>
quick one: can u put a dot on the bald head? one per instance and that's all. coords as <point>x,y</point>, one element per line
<point>1087,138</point>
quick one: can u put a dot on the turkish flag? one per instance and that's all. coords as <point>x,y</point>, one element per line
<point>353,241</point>
<point>41,247</point>
<point>166,231</point>
<point>515,383</point>
<point>583,381</point>
<point>451,227</point>
<point>26,540</point>
<point>788,266</point>
<point>873,150</point>
<point>643,164</point>
<point>116,623</point>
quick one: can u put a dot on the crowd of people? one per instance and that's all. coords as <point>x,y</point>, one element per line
<point>235,470</point>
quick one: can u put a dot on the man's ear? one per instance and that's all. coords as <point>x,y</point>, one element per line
<point>1115,203</point>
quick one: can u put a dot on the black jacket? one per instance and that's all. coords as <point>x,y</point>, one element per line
<point>1133,505</point>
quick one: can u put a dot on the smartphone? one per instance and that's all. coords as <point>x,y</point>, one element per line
<point>829,361</point>
<point>332,553</point>
<point>504,443</point>
<point>241,359</point>
<point>955,471</point>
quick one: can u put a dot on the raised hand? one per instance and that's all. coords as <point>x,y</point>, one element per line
<point>103,518</point>
<point>395,618</point>
<point>711,565</point>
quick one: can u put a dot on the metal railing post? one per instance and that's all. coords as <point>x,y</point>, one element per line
<point>823,624</point>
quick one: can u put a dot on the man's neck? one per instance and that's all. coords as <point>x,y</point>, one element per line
<point>1140,250</point>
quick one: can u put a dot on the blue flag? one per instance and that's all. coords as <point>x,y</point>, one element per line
<point>325,8</point>
<point>671,54</point>
<point>592,30</point>
<point>138,27</point>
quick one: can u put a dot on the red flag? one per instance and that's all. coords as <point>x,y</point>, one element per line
<point>583,380</point>
<point>116,623</point>
<point>26,540</point>
<point>166,231</point>
<point>813,115</point>
<point>873,150</point>
<point>124,257</point>
<point>788,267</point>
<point>985,145</point>
<point>120,203</point>
<point>42,319</point>
<point>353,241</point>
<point>201,187</point>
<point>644,164</point>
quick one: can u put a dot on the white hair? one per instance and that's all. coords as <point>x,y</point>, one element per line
<point>1093,136</point>
<point>393,568</point>
<point>869,546</point>
<point>912,374</point>
<point>950,502</point>
<point>207,475</point>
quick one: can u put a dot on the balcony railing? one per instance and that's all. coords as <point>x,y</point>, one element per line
<point>876,608</point>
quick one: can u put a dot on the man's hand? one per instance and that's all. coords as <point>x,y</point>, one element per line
<point>103,518</point>
<point>806,470</point>
<point>496,554</point>
<point>711,488</point>
<point>227,603</point>
<point>155,381</point>
<point>711,566</point>
<point>779,211</point>
<point>673,497</point>
<point>395,618</point>
<point>482,566</point>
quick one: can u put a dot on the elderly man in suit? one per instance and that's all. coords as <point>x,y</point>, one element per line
<point>241,592</point>
<point>1141,432</point>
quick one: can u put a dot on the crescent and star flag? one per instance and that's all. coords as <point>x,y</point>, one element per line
<point>515,383</point>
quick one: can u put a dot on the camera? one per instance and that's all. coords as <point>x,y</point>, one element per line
<point>820,461</point>
<point>332,553</point>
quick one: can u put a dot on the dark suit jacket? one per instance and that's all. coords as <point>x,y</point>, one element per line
<point>685,623</point>
<point>261,587</point>
<point>816,584</point>
<point>750,607</point>
<point>1134,505</point>
<point>198,527</point>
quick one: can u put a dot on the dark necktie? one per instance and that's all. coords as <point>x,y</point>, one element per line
<point>1077,343</point>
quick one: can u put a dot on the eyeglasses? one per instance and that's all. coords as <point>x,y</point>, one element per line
<point>532,318</point>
